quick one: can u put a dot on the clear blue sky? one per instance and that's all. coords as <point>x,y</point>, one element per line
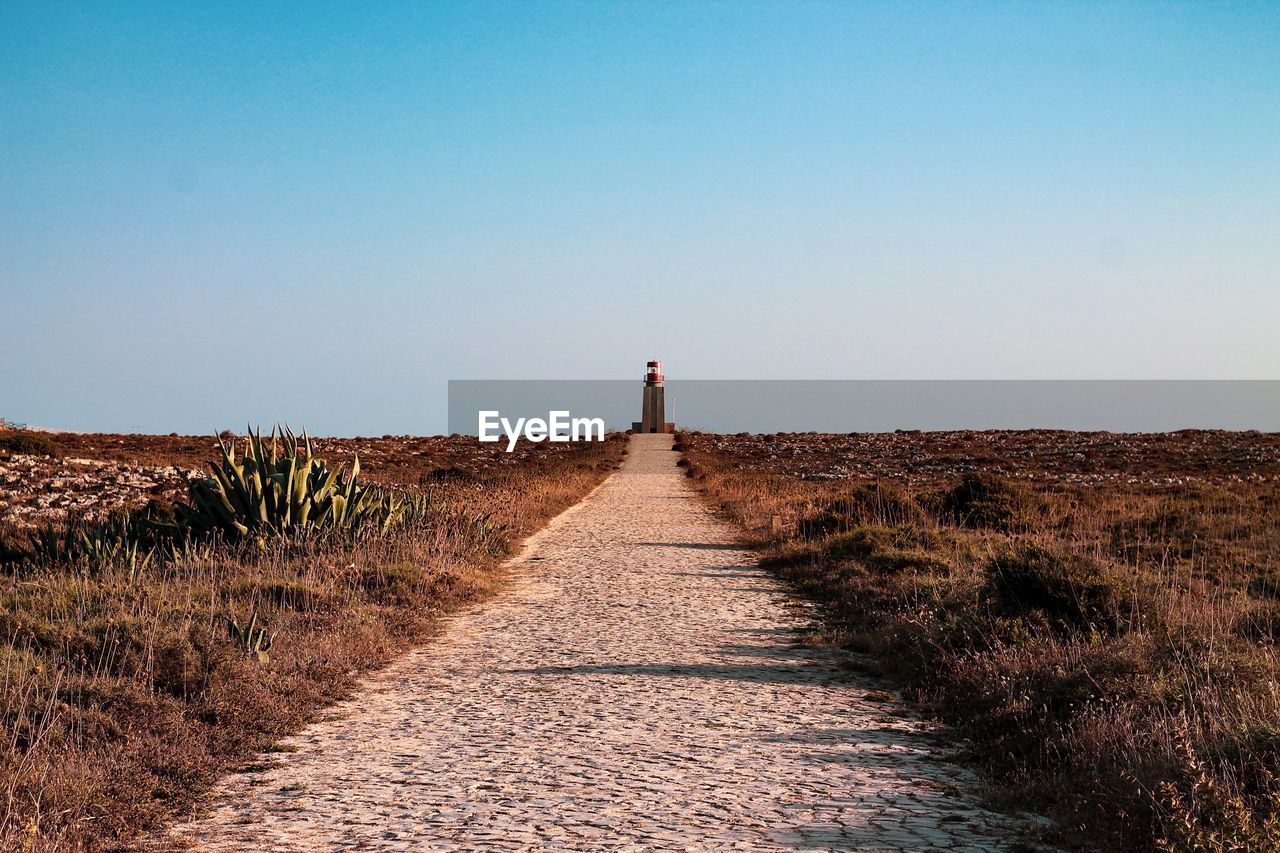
<point>221,212</point>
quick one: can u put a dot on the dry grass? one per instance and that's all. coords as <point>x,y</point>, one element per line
<point>122,696</point>
<point>1101,627</point>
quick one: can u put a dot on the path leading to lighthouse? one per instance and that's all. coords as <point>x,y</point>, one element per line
<point>641,685</point>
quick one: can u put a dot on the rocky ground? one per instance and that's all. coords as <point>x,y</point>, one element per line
<point>96,473</point>
<point>40,490</point>
<point>1085,458</point>
<point>99,472</point>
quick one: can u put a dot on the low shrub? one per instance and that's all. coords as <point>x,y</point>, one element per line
<point>897,560</point>
<point>1260,623</point>
<point>1071,591</point>
<point>287,593</point>
<point>180,665</point>
<point>122,540</point>
<point>29,444</point>
<point>986,500</point>
<point>15,544</point>
<point>859,543</point>
<point>1264,582</point>
<point>391,584</point>
<point>865,504</point>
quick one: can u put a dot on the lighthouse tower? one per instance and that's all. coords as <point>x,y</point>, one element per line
<point>653,414</point>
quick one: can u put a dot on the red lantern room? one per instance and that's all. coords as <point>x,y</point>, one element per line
<point>654,374</point>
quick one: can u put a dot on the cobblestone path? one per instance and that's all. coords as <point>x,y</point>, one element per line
<point>639,686</point>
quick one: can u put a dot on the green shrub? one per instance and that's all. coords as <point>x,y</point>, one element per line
<point>28,443</point>
<point>1069,590</point>
<point>985,500</point>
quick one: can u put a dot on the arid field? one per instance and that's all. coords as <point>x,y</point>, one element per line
<point>134,665</point>
<point>1093,616</point>
<point>1095,613</point>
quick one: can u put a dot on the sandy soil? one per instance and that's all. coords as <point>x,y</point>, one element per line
<point>641,685</point>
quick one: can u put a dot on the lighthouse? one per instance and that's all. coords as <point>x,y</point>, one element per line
<point>653,412</point>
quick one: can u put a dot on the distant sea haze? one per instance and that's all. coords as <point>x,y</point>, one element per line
<point>773,405</point>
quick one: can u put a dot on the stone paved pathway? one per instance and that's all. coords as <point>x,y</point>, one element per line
<point>639,686</point>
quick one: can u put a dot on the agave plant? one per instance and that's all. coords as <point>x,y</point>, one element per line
<point>281,486</point>
<point>50,545</point>
<point>416,509</point>
<point>250,638</point>
<point>94,547</point>
<point>188,551</point>
<point>113,543</point>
